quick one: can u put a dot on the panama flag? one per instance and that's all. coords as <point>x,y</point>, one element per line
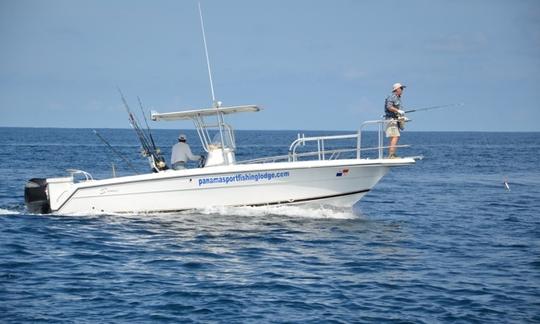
<point>343,172</point>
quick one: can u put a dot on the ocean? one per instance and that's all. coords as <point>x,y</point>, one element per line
<point>440,241</point>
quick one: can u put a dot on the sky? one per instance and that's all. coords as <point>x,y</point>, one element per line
<point>311,64</point>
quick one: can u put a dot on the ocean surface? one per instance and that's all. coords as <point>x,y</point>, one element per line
<point>440,241</point>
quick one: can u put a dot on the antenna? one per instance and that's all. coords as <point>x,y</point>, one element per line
<point>216,104</point>
<point>207,58</point>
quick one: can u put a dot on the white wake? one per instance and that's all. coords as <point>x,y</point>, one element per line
<point>8,212</point>
<point>300,211</point>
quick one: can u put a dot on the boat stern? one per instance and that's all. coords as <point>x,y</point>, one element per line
<point>42,196</point>
<point>36,197</point>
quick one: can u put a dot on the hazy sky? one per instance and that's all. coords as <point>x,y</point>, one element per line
<point>320,65</point>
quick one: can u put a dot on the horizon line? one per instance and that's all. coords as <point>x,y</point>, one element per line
<point>287,130</point>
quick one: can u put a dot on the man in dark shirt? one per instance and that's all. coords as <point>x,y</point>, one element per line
<point>392,111</point>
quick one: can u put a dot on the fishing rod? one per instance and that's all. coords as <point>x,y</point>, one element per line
<point>115,151</point>
<point>147,150</point>
<point>135,125</point>
<point>159,159</point>
<point>147,126</point>
<point>156,160</point>
<point>402,119</point>
<point>434,107</point>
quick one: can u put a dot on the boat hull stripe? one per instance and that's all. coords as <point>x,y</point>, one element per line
<point>303,200</point>
<point>195,176</point>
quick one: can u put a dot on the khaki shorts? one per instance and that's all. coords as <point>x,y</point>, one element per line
<point>392,129</point>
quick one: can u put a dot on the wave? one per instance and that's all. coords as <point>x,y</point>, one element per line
<point>8,212</point>
<point>300,211</point>
<point>292,211</point>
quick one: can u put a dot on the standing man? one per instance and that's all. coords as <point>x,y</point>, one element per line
<point>181,153</point>
<point>392,111</point>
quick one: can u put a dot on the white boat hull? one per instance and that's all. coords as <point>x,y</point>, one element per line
<point>336,182</point>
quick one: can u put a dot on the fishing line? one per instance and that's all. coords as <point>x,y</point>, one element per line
<point>484,138</point>
<point>115,151</point>
<point>456,105</point>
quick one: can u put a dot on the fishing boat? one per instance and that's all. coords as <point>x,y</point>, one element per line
<point>315,169</point>
<point>335,176</point>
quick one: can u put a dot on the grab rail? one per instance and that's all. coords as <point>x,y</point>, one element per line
<point>321,142</point>
<point>73,172</point>
<point>379,123</point>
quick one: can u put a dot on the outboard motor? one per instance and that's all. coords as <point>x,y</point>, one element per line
<point>35,196</point>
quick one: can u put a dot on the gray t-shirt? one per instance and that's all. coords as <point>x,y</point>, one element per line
<point>181,152</point>
<point>393,100</point>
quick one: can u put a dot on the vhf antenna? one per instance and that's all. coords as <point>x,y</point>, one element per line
<point>215,103</point>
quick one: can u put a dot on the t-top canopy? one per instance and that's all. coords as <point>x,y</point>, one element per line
<point>190,114</point>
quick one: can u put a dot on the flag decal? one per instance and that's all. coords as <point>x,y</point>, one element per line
<point>342,172</point>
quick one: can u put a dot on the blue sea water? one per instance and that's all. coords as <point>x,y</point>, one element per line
<point>440,241</point>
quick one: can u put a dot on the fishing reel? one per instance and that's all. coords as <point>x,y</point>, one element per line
<point>161,165</point>
<point>401,120</point>
<point>158,164</point>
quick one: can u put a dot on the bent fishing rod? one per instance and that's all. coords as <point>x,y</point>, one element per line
<point>434,107</point>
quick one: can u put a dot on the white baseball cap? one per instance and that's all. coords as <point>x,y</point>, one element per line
<point>397,86</point>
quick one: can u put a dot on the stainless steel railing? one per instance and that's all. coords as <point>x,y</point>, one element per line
<point>322,142</point>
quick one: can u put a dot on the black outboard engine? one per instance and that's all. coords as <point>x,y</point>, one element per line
<point>35,196</point>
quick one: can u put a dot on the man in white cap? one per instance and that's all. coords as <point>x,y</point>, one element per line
<point>181,153</point>
<point>392,111</point>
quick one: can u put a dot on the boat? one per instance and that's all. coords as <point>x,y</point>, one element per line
<point>322,176</point>
<point>315,170</point>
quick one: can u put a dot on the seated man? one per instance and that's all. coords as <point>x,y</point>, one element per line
<point>181,153</point>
